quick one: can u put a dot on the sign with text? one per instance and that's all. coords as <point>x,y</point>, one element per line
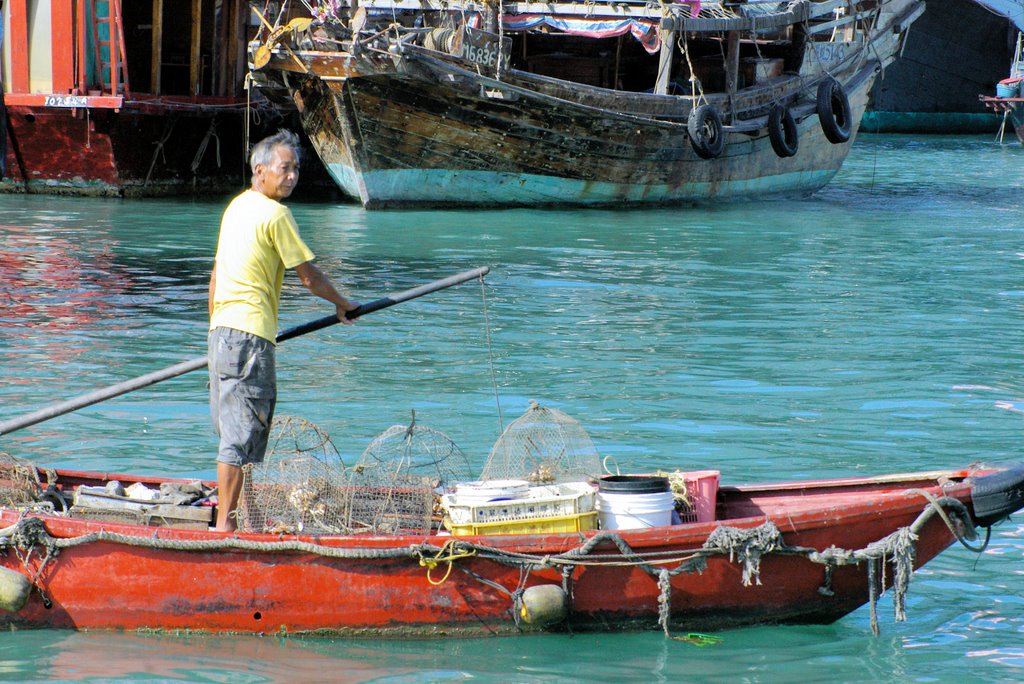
<point>484,48</point>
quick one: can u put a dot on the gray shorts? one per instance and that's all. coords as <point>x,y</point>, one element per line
<point>243,391</point>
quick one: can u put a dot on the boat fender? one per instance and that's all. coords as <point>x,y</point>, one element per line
<point>704,126</point>
<point>782,131</point>
<point>834,111</point>
<point>14,590</point>
<point>543,604</point>
<point>994,497</point>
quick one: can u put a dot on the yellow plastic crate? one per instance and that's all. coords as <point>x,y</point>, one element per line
<point>554,525</point>
<point>546,501</point>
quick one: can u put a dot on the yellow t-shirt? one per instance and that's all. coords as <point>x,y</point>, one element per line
<point>259,239</point>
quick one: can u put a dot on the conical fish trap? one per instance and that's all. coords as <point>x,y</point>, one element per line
<point>395,483</point>
<point>300,485</point>
<point>543,446</point>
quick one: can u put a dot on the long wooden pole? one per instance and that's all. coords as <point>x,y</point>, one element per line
<point>96,396</point>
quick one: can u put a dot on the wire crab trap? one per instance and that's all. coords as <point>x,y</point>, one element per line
<point>299,487</point>
<point>396,482</point>
<point>543,446</point>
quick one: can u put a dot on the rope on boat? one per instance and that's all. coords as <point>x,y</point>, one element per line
<point>211,132</point>
<point>448,554</point>
<point>745,545</point>
<point>30,532</point>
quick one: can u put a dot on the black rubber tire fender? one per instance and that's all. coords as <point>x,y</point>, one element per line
<point>782,131</point>
<point>834,111</point>
<point>704,127</point>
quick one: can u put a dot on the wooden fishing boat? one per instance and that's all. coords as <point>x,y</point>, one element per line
<point>801,552</point>
<point>565,103</point>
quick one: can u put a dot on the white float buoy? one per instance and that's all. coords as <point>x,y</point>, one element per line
<point>14,590</point>
<point>544,604</point>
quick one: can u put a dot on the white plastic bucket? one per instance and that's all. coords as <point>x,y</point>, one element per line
<point>634,511</point>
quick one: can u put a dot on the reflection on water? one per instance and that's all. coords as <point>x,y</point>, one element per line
<point>51,288</point>
<point>872,328</point>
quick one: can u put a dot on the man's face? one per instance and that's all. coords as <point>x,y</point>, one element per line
<point>279,178</point>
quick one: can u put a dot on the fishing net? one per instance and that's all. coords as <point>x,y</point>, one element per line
<point>543,446</point>
<point>397,479</point>
<point>19,482</point>
<point>300,485</point>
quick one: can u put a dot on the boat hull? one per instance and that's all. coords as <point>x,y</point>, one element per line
<point>955,50</point>
<point>1016,119</point>
<point>128,577</point>
<point>127,152</point>
<point>391,148</point>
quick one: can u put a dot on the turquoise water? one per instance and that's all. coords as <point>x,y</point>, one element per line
<point>872,328</point>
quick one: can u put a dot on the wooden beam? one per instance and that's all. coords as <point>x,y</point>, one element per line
<point>732,62</point>
<point>195,65</point>
<point>219,49</point>
<point>668,45</point>
<point>63,101</point>
<point>19,46</point>
<point>157,47</point>
<point>112,37</point>
<point>81,80</point>
<point>62,45</point>
<point>239,38</point>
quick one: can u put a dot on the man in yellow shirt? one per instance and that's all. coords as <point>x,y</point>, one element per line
<point>258,240</point>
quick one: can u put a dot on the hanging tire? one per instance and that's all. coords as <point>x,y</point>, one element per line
<point>782,131</point>
<point>834,111</point>
<point>704,126</point>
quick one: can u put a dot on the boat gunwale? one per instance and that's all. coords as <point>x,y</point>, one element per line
<point>748,107</point>
<point>939,482</point>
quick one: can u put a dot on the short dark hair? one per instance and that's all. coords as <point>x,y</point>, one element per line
<point>263,151</point>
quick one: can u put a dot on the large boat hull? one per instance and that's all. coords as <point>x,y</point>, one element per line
<point>957,49</point>
<point>404,124</point>
<point>390,148</point>
<point>1017,117</point>
<point>128,152</point>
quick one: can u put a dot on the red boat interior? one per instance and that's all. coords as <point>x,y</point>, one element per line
<point>737,502</point>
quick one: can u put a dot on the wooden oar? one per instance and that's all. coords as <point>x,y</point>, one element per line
<point>96,396</point>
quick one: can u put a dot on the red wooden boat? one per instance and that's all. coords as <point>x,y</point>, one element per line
<point>803,552</point>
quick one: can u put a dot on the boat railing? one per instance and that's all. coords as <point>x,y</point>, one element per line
<point>825,17</point>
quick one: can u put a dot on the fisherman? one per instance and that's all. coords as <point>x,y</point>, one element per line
<point>258,240</point>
